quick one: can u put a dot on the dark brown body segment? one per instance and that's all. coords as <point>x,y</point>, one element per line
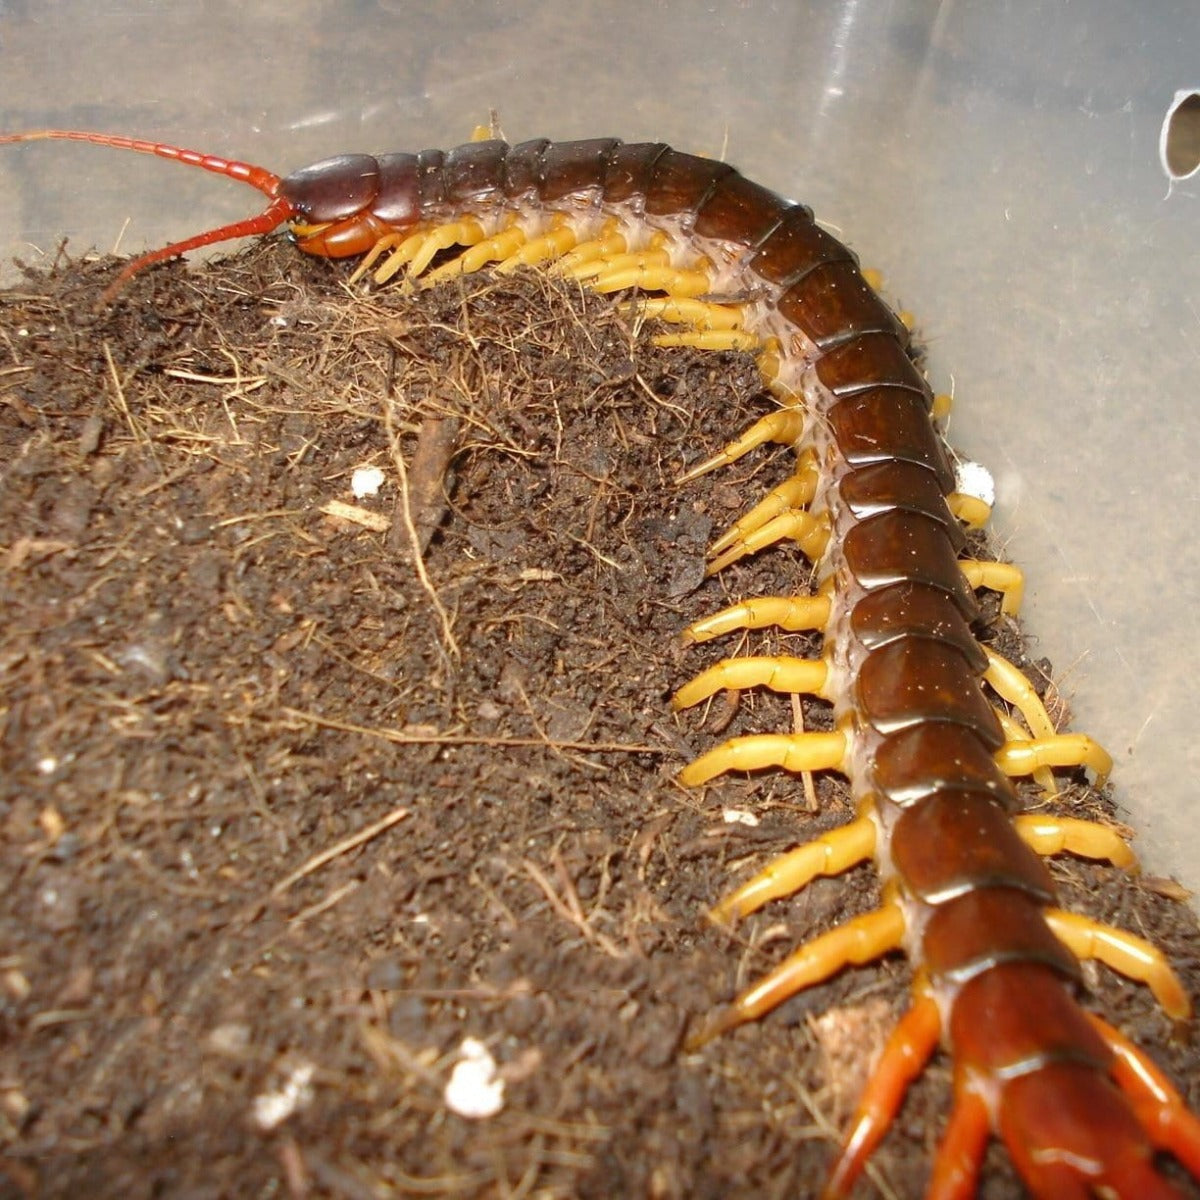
<point>912,609</point>
<point>898,546</point>
<point>682,184</point>
<point>833,303</point>
<point>868,361</point>
<point>570,168</point>
<point>739,211</point>
<point>886,424</point>
<point>987,926</point>
<point>899,483</point>
<point>627,173</point>
<point>959,841</point>
<point>913,681</point>
<point>795,247</point>
<point>926,760</point>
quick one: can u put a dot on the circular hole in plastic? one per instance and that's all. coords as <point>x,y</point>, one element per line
<point>1179,141</point>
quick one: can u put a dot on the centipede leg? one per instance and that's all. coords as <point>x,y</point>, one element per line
<point>388,242</point>
<point>609,244</point>
<point>714,339</point>
<point>1061,750</point>
<point>970,510</point>
<point>1124,952</point>
<point>652,257</point>
<point>795,752</point>
<point>960,1154</point>
<point>809,532</point>
<point>1016,734</point>
<point>1048,835</point>
<point>1162,1111</point>
<point>419,250</point>
<point>673,280</point>
<point>556,242</point>
<point>1010,684</point>
<point>784,426</point>
<point>714,326</point>
<point>858,941</point>
<point>792,614</point>
<point>1004,578</point>
<point>797,490</point>
<point>909,1048</point>
<point>457,233</point>
<point>830,854</point>
<point>777,673</point>
<point>497,248</point>
<point>702,315</point>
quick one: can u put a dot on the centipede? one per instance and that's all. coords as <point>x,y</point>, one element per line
<point>930,726</point>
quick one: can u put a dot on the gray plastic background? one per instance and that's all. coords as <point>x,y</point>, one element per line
<point>999,163</point>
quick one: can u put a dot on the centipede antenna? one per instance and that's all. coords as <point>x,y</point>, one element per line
<point>258,177</point>
<point>267,182</point>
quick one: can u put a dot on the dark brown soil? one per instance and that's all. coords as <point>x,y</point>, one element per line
<point>290,812</point>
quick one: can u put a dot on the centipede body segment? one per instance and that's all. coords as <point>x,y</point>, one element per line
<point>922,726</point>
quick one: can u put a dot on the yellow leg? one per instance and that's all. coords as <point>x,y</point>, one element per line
<point>784,426</point>
<point>791,613</point>
<point>1061,750</point>
<point>679,311</point>
<point>1004,578</point>
<point>970,510</point>
<point>1126,953</point>
<point>556,242</point>
<point>609,245</point>
<point>1048,835</point>
<point>715,340</point>
<point>653,258</point>
<point>1015,734</point>
<point>457,233</point>
<point>795,752</point>
<point>493,249</point>
<point>858,941</point>
<point>779,673</point>
<point>810,532</point>
<point>673,280</point>
<point>715,327</point>
<point>770,364</point>
<point>401,256</point>
<point>830,854</point>
<point>1011,685</point>
<point>381,247</point>
<point>793,493</point>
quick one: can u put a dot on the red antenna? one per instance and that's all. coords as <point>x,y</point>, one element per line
<point>278,211</point>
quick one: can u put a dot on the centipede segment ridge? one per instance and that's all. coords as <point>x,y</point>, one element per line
<point>928,725</point>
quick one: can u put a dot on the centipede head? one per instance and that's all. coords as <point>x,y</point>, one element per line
<point>330,206</point>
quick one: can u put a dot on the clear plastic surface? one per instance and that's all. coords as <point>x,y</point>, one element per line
<point>999,163</point>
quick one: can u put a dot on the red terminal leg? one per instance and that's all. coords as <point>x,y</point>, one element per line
<point>908,1049</point>
<point>1161,1110</point>
<point>956,1168</point>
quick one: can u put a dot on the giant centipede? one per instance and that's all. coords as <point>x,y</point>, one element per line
<point>929,724</point>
